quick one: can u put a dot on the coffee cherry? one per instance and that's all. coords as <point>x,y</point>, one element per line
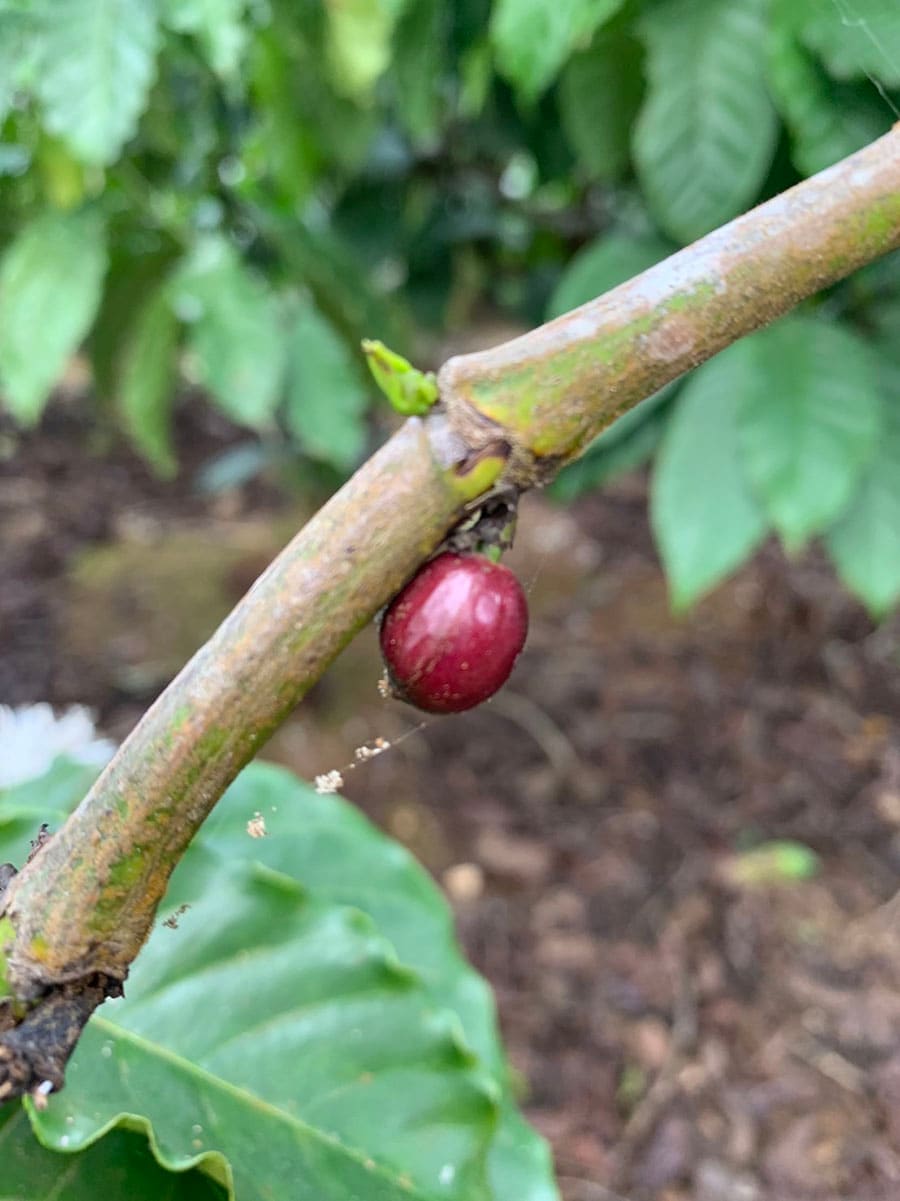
<point>451,636</point>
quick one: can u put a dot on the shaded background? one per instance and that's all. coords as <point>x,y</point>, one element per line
<point>694,1014</point>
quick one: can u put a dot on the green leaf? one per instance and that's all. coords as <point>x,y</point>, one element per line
<point>236,337</point>
<point>148,380</point>
<point>284,143</point>
<point>96,69</point>
<point>886,319</point>
<point>332,273</point>
<point>218,26</point>
<point>50,283</point>
<point>533,38</point>
<point>601,265</point>
<point>865,542</point>
<point>359,42</point>
<point>121,1164</point>
<point>600,94</point>
<point>315,1044</point>
<point>705,135</point>
<point>855,37</point>
<point>62,176</point>
<point>341,860</point>
<point>24,807</point>
<point>19,51</point>
<point>705,518</point>
<point>824,128</point>
<point>419,65</point>
<point>138,266</point>
<point>475,77</point>
<point>809,414</point>
<point>326,400</point>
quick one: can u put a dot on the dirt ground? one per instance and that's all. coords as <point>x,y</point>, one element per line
<point>686,1027</point>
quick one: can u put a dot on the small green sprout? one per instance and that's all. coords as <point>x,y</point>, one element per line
<point>410,391</point>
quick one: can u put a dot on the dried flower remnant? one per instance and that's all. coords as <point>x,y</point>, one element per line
<point>329,783</point>
<point>256,826</point>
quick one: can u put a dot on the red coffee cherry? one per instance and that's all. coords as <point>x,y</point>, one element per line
<point>451,636</point>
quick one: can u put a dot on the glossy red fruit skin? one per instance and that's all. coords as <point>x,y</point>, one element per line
<point>451,636</point>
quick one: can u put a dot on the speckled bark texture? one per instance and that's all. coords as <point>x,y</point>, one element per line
<point>554,389</point>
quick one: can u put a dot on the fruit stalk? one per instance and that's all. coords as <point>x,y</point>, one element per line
<point>83,906</point>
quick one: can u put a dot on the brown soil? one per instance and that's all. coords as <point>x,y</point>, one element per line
<point>684,1031</point>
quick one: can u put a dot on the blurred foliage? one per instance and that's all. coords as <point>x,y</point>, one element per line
<point>237,191</point>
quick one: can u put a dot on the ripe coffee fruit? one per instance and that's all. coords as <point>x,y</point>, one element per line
<point>451,637</point>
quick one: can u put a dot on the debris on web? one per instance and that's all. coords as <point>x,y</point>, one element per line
<point>256,826</point>
<point>329,782</point>
<point>366,752</point>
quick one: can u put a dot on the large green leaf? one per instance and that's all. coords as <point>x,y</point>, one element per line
<point>96,69</point>
<point>341,860</point>
<point>284,144</point>
<point>855,37</point>
<point>810,414</point>
<point>705,518</point>
<point>419,65</point>
<point>824,127</point>
<point>138,266</point>
<point>599,96</point>
<point>533,38</point>
<point>148,381</point>
<point>872,296</point>
<point>218,25</point>
<point>25,807</point>
<point>865,542</point>
<point>314,1044</point>
<point>236,336</point>
<point>120,1165</point>
<point>705,136</point>
<point>50,282</point>
<point>326,400</point>
<point>601,265</point>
